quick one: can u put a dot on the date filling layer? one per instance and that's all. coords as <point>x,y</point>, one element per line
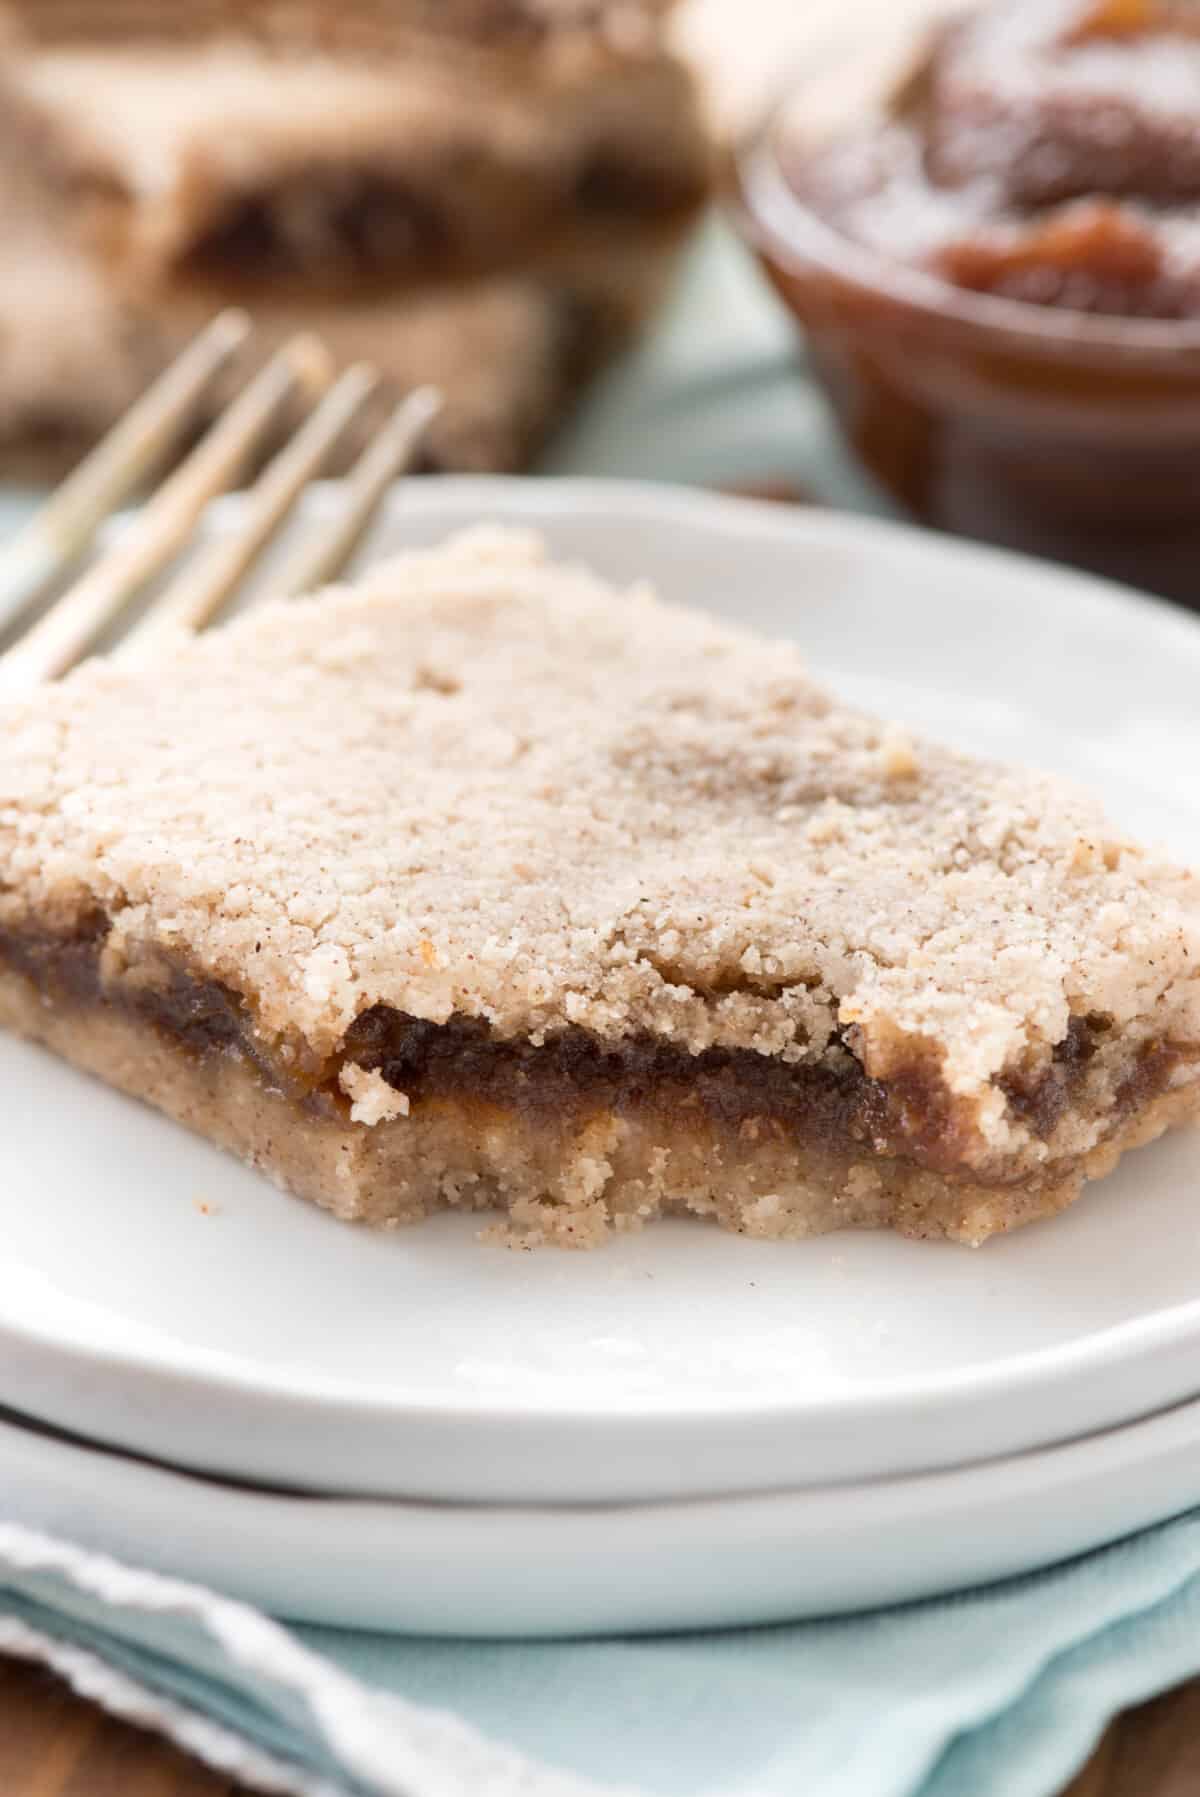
<point>832,1105</point>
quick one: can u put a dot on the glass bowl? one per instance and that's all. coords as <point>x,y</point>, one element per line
<point>1067,434</point>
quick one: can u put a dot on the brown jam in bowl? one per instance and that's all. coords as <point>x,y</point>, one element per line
<point>997,262</point>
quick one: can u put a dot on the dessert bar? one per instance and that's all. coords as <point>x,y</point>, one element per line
<point>487,195</point>
<point>487,885</point>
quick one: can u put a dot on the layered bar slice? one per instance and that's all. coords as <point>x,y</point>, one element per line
<point>332,144</point>
<point>489,195</point>
<point>487,885</point>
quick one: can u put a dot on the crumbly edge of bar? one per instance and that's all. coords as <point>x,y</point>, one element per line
<point>566,1180</point>
<point>1055,1112</point>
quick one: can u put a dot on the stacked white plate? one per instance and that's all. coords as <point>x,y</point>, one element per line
<point>682,1428</point>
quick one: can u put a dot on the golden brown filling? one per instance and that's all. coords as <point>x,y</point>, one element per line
<point>831,1105</point>
<point>338,223</point>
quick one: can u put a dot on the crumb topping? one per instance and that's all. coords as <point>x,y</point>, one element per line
<point>373,1100</point>
<point>488,786</point>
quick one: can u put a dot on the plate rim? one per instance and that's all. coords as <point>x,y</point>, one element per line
<point>957,1508</point>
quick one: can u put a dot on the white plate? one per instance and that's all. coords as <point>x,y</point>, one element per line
<point>259,1338</point>
<point>469,1570</point>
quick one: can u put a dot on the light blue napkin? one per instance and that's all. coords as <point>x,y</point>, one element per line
<point>1000,1691</point>
<point>996,1693</point>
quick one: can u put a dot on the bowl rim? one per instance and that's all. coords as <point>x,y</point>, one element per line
<point>780,225</point>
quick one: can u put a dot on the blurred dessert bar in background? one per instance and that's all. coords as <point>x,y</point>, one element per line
<point>487,194</point>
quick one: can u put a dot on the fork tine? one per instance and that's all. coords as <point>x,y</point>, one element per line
<point>200,592</point>
<point>389,454</point>
<point>66,523</point>
<point>60,638</point>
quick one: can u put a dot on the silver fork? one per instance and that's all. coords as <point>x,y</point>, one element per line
<point>66,526</point>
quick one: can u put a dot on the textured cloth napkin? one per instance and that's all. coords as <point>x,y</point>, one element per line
<point>997,1691</point>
